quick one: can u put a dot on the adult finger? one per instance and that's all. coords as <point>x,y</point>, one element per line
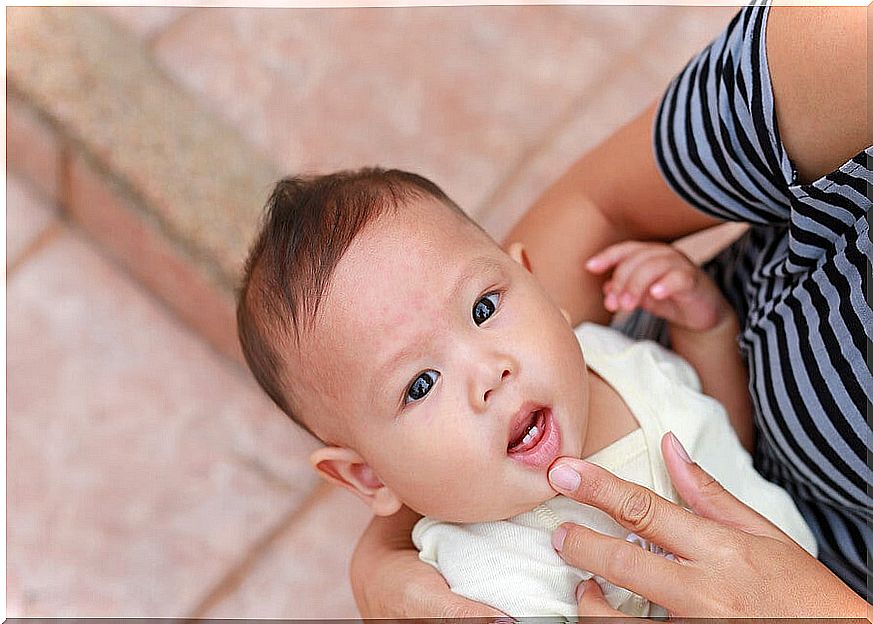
<point>636,508</point>
<point>591,601</point>
<point>449,608</point>
<point>623,563</point>
<point>707,497</point>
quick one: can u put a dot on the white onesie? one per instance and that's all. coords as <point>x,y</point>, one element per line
<point>511,565</point>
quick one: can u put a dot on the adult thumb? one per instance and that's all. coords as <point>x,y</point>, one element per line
<point>591,600</point>
<point>706,496</point>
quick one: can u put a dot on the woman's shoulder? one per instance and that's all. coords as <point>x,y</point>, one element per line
<point>818,79</point>
<point>731,164</point>
<point>760,117</point>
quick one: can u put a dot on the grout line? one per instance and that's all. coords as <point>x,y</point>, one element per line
<point>235,576</point>
<point>273,478</point>
<point>64,182</point>
<point>64,220</point>
<point>42,240</point>
<point>151,41</point>
<point>563,120</point>
<point>173,315</point>
<point>122,187</point>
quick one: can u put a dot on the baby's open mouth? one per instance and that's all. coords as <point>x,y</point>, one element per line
<point>529,434</point>
<point>534,438</point>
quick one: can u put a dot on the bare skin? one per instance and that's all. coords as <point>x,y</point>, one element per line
<point>821,111</point>
<point>721,535</point>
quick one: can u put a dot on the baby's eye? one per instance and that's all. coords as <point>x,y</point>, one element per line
<point>485,307</point>
<point>421,386</point>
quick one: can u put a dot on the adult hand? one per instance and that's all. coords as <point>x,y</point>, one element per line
<point>390,581</point>
<point>729,560</point>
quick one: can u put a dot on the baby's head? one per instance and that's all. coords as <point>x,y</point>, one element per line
<point>431,363</point>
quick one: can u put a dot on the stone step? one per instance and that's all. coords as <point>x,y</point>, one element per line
<point>169,190</point>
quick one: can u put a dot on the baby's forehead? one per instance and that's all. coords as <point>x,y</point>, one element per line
<point>394,283</point>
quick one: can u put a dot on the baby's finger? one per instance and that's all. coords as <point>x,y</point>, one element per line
<point>611,256</point>
<point>610,300</point>
<point>646,273</point>
<point>627,269</point>
<point>674,282</point>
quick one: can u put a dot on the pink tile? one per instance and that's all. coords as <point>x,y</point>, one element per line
<point>306,573</point>
<point>688,29</point>
<point>141,465</point>
<point>595,116</point>
<point>145,248</point>
<point>33,149</point>
<point>145,21</point>
<point>27,216</point>
<point>457,93</point>
<point>648,68</point>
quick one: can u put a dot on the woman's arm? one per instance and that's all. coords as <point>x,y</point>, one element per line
<point>613,193</point>
<point>819,73</point>
<point>389,580</point>
<point>819,76</point>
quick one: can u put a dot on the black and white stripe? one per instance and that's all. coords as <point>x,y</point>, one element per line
<point>797,280</point>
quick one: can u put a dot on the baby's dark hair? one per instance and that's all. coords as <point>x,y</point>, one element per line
<point>308,224</point>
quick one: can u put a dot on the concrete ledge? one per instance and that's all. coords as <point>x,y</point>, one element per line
<point>170,191</point>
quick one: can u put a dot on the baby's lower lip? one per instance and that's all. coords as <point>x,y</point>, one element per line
<point>547,449</point>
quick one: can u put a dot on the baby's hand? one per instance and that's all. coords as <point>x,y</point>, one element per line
<point>661,280</point>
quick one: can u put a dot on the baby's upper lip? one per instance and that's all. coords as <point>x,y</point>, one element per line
<point>516,426</point>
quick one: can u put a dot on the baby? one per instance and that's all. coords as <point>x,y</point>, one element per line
<point>441,376</point>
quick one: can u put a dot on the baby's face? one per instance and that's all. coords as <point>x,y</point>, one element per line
<point>442,362</point>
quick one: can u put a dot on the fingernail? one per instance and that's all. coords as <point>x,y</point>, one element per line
<point>592,263</point>
<point>564,478</point>
<point>627,301</point>
<point>558,538</point>
<point>680,450</point>
<point>610,303</point>
<point>657,290</point>
<point>580,589</point>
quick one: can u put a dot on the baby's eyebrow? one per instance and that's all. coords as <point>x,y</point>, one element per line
<point>475,266</point>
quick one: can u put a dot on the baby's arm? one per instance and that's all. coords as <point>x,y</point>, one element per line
<point>703,326</point>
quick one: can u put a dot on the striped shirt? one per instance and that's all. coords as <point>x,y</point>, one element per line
<point>796,279</point>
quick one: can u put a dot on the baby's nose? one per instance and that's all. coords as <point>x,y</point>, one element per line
<point>506,373</point>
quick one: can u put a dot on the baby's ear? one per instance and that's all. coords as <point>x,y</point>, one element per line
<point>516,252</point>
<point>344,467</point>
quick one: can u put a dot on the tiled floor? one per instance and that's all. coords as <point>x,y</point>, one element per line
<point>27,218</point>
<point>150,477</point>
<point>464,95</point>
<point>143,466</point>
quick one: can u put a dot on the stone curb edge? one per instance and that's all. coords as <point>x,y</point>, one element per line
<point>183,242</point>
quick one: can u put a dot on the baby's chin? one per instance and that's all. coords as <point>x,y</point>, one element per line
<point>495,514</point>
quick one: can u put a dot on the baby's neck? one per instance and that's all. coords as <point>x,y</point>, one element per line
<point>609,417</point>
